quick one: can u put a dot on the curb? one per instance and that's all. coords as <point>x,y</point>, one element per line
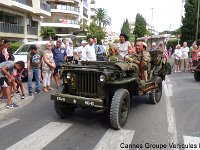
<point>17,98</point>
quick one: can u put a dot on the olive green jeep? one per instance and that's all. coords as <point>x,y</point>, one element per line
<point>107,86</point>
<point>197,72</point>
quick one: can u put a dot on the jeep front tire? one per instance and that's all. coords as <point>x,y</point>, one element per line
<point>197,75</point>
<point>119,109</point>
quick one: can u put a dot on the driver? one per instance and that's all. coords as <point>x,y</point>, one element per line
<point>141,54</point>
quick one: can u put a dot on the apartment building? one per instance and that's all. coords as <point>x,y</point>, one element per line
<point>67,15</point>
<point>20,19</point>
<point>93,6</point>
<point>110,37</point>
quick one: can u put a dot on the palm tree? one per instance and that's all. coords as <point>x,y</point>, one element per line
<point>102,17</point>
<point>47,32</point>
<point>84,27</point>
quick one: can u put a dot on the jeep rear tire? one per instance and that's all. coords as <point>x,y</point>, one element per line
<point>197,75</point>
<point>155,95</point>
<point>63,109</point>
<point>119,109</point>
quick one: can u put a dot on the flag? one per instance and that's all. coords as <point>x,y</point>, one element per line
<point>166,55</point>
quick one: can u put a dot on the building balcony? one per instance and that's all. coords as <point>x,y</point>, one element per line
<point>66,9</point>
<point>25,2</point>
<point>61,23</point>
<point>72,1</point>
<point>41,8</point>
<point>45,6</point>
<point>22,5</point>
<point>85,15</point>
<point>32,30</point>
<point>11,28</point>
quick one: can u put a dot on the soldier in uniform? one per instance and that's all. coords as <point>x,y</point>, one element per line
<point>141,58</point>
<point>114,53</point>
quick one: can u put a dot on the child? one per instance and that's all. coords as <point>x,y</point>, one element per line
<point>18,80</point>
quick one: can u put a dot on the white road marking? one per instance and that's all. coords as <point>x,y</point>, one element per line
<point>8,122</point>
<point>113,138</point>
<point>40,138</point>
<point>189,140</point>
<point>172,132</point>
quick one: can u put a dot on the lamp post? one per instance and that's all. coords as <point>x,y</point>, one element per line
<point>151,25</point>
<point>197,26</point>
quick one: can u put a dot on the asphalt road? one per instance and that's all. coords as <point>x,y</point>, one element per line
<point>174,120</point>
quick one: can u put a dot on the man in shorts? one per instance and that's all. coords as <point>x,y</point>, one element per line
<point>185,51</point>
<point>178,57</point>
<point>6,77</point>
<point>60,56</point>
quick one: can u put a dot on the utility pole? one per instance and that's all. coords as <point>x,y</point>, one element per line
<point>197,27</point>
<point>151,25</point>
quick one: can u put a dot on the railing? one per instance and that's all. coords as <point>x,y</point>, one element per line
<point>32,30</point>
<point>64,21</point>
<point>25,2</point>
<point>85,3</point>
<point>86,15</point>
<point>11,28</point>
<point>45,6</point>
<point>66,7</point>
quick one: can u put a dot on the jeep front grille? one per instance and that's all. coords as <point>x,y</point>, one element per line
<point>87,83</point>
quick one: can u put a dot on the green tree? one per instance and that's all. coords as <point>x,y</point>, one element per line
<point>188,29</point>
<point>126,28</point>
<point>102,17</point>
<point>95,31</point>
<point>46,32</point>
<point>84,28</point>
<point>140,26</point>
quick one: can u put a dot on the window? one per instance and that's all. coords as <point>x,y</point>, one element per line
<point>59,6</point>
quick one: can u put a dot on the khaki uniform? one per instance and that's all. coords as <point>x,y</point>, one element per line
<point>146,58</point>
<point>136,57</point>
<point>114,58</point>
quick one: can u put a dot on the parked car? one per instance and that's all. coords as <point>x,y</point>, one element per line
<point>22,51</point>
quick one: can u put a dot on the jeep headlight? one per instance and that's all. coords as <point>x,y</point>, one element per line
<point>102,78</point>
<point>69,75</point>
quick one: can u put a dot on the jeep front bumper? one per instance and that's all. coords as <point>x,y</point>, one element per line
<point>78,100</point>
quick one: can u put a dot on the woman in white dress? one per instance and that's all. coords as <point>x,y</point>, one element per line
<point>124,45</point>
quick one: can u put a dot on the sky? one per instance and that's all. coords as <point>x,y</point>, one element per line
<point>166,13</point>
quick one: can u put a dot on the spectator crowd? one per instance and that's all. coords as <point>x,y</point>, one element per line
<point>186,56</point>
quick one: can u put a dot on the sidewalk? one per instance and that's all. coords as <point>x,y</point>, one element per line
<point>17,98</point>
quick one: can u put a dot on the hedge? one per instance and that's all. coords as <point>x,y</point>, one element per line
<point>14,46</point>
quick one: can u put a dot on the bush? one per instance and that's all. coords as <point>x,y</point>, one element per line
<point>14,46</point>
<point>172,44</point>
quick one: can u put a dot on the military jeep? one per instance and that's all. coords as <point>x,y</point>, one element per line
<point>107,86</point>
<point>197,72</point>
